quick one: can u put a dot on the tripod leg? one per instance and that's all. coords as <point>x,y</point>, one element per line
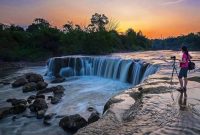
<point>172,74</point>
<point>176,72</point>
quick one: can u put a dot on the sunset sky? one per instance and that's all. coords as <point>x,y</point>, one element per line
<point>153,17</point>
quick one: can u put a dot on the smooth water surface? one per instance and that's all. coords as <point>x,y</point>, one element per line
<point>81,93</point>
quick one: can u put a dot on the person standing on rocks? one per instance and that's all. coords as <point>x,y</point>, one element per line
<point>184,70</point>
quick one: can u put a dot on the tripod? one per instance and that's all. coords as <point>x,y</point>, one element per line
<point>174,69</point>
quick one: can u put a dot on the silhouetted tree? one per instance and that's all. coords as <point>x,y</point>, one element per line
<point>98,21</point>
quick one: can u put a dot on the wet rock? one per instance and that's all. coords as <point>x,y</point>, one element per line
<point>38,104</point>
<point>40,96</point>
<point>47,119</point>
<point>40,114</point>
<point>72,123</point>
<point>58,80</point>
<point>140,88</point>
<point>4,82</point>
<point>55,89</point>
<point>55,100</point>
<point>18,109</point>
<point>31,98</point>
<point>110,102</point>
<point>18,106</point>
<point>58,90</point>
<point>41,85</point>
<point>33,77</point>
<point>49,97</point>
<point>15,102</point>
<point>60,116</point>
<point>32,86</point>
<point>5,111</point>
<point>58,93</point>
<point>19,82</point>
<point>46,122</point>
<point>95,116</point>
<point>29,115</point>
<point>46,90</point>
<point>49,116</point>
<point>90,109</point>
<point>32,108</point>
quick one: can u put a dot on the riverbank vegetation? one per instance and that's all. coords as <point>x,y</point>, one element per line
<point>191,40</point>
<point>41,40</point>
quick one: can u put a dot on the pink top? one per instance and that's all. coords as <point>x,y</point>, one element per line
<point>186,59</point>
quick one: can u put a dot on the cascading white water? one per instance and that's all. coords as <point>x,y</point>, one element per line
<point>128,71</point>
<point>151,69</point>
<point>136,73</point>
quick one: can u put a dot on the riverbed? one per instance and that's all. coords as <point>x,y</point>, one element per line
<point>160,109</point>
<point>151,107</point>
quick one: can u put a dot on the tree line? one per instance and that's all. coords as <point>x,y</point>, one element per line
<point>192,41</point>
<point>41,40</point>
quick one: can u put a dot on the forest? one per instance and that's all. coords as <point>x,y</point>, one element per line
<point>192,41</point>
<point>40,40</point>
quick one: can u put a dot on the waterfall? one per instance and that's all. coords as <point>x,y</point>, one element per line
<point>129,71</point>
<point>151,69</point>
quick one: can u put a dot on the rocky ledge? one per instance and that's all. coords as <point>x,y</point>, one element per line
<point>153,107</point>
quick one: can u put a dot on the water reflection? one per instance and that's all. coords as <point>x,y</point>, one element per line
<point>183,101</point>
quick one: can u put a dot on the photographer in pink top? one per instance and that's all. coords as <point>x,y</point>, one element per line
<point>184,70</point>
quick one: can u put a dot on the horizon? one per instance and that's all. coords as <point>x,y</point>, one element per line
<point>156,19</point>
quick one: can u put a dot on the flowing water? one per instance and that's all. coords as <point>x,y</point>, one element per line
<point>90,82</point>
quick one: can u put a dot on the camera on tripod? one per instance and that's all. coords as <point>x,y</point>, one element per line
<point>173,57</point>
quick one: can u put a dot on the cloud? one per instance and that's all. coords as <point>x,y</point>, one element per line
<point>172,2</point>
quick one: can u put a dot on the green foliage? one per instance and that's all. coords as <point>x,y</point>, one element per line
<point>191,40</point>
<point>40,40</point>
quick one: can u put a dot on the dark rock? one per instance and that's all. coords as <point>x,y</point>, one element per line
<point>40,114</point>
<point>58,90</point>
<point>33,77</point>
<point>46,90</point>
<point>38,104</point>
<point>95,116</point>
<point>55,89</point>
<point>49,116</point>
<point>60,116</point>
<point>29,115</point>
<point>18,109</point>
<point>72,123</point>
<point>5,111</point>
<point>15,102</point>
<point>31,98</point>
<point>140,88</point>
<point>46,122</point>
<point>19,82</point>
<point>41,85</point>
<point>49,97</point>
<point>58,93</point>
<point>32,86</point>
<point>55,100</point>
<point>4,82</point>
<point>58,80</point>
<point>40,96</point>
<point>32,108</point>
<point>90,109</point>
<point>47,119</point>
